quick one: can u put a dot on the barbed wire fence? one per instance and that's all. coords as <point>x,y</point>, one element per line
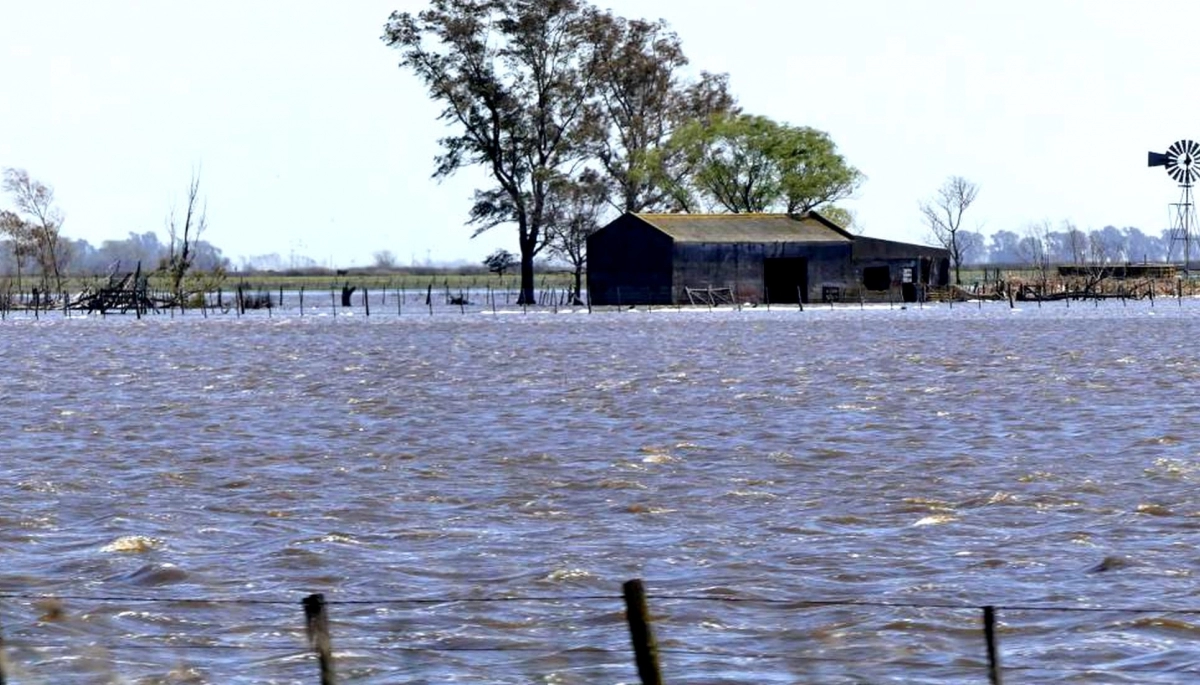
<point>580,638</point>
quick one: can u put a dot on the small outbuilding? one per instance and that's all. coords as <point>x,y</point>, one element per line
<point>758,258</point>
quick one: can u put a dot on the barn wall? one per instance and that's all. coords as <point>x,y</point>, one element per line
<point>740,267</point>
<point>629,263</point>
<point>930,265</point>
<point>633,262</point>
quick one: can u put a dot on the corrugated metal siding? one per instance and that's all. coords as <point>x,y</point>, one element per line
<point>739,266</point>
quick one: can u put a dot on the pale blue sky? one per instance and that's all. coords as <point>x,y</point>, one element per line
<point>312,141</point>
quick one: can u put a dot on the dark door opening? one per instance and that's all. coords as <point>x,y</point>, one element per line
<point>877,277</point>
<point>786,280</point>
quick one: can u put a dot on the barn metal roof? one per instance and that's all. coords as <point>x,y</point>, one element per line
<point>747,228</point>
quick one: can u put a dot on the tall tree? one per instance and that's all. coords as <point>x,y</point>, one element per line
<point>748,163</point>
<point>943,215</point>
<point>36,224</point>
<point>644,99</point>
<point>515,83</point>
<point>577,208</point>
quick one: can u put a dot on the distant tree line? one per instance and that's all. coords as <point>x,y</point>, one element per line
<point>83,258</point>
<point>1043,242</point>
<point>577,114</point>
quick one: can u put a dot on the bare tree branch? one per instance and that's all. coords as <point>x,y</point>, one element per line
<point>183,239</point>
<point>943,215</point>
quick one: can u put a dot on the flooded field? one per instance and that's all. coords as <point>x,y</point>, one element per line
<point>827,496</point>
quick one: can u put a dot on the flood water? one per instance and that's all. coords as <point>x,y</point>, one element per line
<point>827,496</point>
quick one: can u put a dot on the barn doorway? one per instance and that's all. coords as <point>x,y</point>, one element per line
<point>786,280</point>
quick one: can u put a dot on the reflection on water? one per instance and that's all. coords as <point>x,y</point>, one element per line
<point>900,468</point>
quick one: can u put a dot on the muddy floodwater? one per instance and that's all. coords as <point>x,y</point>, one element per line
<point>826,496</point>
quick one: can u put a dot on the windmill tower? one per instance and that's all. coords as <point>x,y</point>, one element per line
<point>1182,160</point>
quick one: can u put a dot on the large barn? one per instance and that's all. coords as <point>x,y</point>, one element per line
<point>758,258</point>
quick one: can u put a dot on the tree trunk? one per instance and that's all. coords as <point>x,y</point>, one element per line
<point>578,300</point>
<point>956,255</point>
<point>527,295</point>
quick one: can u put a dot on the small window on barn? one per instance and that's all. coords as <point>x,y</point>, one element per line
<point>877,278</point>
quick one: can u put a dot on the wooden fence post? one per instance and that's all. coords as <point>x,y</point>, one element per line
<point>3,663</point>
<point>989,634</point>
<point>645,649</point>
<point>317,626</point>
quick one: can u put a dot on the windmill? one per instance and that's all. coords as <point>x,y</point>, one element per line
<point>1182,160</point>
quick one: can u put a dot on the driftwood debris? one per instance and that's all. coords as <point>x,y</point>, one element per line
<point>119,294</point>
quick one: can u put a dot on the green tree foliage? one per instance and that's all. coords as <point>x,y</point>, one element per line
<point>841,216</point>
<point>515,83</point>
<point>748,163</point>
<point>813,174</point>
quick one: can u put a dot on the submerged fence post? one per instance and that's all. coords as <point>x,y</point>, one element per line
<point>316,623</point>
<point>645,649</point>
<point>3,662</point>
<point>989,634</point>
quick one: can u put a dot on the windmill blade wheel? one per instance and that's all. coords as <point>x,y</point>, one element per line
<point>1183,161</point>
